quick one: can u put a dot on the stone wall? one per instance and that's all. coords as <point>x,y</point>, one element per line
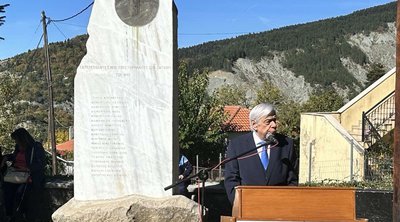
<point>42,205</point>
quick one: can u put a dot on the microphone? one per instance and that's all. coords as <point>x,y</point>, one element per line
<point>270,139</point>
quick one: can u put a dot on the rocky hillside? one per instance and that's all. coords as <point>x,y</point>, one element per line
<point>335,52</point>
<point>379,47</point>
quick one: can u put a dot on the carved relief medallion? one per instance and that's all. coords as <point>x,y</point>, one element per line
<point>136,12</point>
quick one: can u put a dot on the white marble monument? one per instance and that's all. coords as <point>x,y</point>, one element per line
<point>125,91</point>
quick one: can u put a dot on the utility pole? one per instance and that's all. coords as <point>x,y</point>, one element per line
<point>52,131</point>
<point>396,145</point>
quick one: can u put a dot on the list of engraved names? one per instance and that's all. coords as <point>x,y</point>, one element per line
<point>107,124</point>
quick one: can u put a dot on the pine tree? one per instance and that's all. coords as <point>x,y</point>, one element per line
<point>2,18</point>
<point>376,71</point>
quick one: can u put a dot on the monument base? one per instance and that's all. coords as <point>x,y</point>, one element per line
<point>131,208</point>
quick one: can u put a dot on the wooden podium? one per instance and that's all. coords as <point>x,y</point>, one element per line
<point>288,203</point>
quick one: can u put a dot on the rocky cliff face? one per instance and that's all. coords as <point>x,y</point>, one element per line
<point>379,47</point>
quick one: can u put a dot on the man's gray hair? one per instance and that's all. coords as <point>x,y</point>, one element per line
<point>259,111</point>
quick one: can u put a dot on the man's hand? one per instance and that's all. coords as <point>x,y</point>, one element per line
<point>180,177</point>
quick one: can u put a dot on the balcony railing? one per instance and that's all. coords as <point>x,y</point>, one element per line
<point>377,121</point>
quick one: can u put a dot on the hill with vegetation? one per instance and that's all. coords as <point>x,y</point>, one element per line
<point>314,50</point>
<point>29,78</point>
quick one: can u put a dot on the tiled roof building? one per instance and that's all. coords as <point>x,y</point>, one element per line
<point>65,147</point>
<point>238,119</point>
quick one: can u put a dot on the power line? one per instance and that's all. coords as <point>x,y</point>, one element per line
<point>33,55</point>
<point>220,33</point>
<point>71,17</point>
<point>60,30</point>
<point>31,58</point>
<point>187,34</point>
<point>216,33</point>
<point>71,24</point>
<point>37,28</point>
<point>40,22</point>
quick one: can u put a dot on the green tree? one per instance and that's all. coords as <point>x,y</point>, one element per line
<point>200,117</point>
<point>289,119</point>
<point>2,18</point>
<point>9,91</point>
<point>376,71</point>
<point>271,94</point>
<point>231,95</point>
<point>323,101</point>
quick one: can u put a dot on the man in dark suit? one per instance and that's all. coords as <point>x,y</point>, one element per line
<point>272,164</point>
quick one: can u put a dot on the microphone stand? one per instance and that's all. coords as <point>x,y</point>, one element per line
<point>203,174</point>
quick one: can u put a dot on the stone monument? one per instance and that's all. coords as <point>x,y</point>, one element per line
<point>125,101</point>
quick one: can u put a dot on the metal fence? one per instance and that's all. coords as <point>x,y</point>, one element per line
<point>378,167</point>
<point>375,172</point>
<point>334,169</point>
<point>216,175</point>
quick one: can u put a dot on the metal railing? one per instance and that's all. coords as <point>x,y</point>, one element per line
<point>370,134</point>
<point>216,175</point>
<point>337,170</point>
<point>65,167</point>
<point>378,120</point>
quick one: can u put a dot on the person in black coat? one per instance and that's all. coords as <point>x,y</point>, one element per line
<point>185,169</point>
<point>22,160</point>
<point>273,164</point>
